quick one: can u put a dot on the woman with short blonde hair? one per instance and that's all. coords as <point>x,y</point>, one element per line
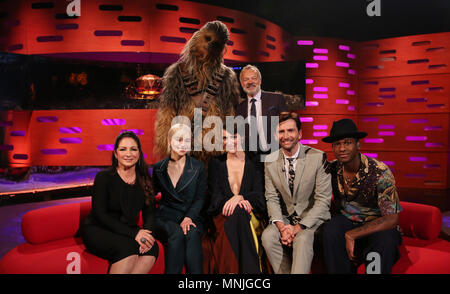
<point>181,180</point>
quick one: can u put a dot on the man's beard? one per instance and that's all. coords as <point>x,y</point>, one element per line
<point>252,92</point>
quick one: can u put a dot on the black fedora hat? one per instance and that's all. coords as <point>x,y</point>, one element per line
<point>344,128</point>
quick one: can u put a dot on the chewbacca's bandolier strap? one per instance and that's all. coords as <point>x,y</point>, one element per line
<point>202,98</point>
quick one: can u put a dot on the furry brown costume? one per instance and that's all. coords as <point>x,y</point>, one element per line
<point>198,79</point>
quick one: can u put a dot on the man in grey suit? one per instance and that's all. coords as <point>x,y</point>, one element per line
<point>298,194</point>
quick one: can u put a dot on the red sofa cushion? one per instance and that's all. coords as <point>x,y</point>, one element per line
<point>433,258</point>
<point>420,221</point>
<point>421,257</point>
<point>435,244</point>
<point>51,235</point>
<point>422,252</point>
<point>50,258</point>
<point>54,223</point>
<point>56,257</point>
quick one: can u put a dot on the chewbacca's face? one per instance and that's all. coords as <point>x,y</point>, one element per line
<point>203,44</point>
<point>210,41</point>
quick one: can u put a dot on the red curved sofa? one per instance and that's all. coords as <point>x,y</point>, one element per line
<point>422,252</point>
<point>51,235</point>
<point>54,246</point>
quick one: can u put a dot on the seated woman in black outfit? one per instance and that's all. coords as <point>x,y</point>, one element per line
<point>238,206</point>
<point>120,193</point>
<point>181,180</point>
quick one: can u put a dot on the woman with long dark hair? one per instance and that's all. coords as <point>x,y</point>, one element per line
<point>238,208</point>
<point>120,193</point>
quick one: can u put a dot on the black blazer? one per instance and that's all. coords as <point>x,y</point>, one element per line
<point>116,205</point>
<point>252,186</point>
<point>184,200</point>
<point>272,104</point>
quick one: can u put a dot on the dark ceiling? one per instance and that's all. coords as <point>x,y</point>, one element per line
<point>347,19</point>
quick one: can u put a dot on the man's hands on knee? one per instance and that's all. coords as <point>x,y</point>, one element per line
<point>288,233</point>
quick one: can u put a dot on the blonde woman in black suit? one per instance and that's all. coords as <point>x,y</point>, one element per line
<point>181,180</point>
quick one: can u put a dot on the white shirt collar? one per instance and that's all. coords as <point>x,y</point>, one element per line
<point>293,156</point>
<point>257,97</point>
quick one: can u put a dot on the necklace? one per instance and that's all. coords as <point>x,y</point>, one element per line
<point>347,181</point>
<point>131,180</point>
<point>347,188</point>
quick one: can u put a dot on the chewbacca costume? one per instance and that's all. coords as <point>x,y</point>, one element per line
<point>199,79</point>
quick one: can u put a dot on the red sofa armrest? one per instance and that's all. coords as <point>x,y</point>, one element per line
<point>420,220</point>
<point>54,223</point>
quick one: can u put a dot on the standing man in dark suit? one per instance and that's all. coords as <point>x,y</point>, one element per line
<point>258,104</point>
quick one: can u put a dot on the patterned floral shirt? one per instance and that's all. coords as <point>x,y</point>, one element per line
<point>371,194</point>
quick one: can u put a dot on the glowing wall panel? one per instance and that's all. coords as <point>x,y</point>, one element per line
<point>325,57</point>
<point>405,94</point>
<point>416,169</point>
<point>331,95</point>
<point>16,142</point>
<point>413,132</point>
<point>331,85</point>
<point>86,137</point>
<point>420,54</point>
<point>403,104</point>
<point>119,26</point>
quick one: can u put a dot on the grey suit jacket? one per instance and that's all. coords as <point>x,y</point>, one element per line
<point>312,188</point>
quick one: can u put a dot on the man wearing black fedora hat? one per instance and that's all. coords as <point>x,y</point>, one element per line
<point>365,208</point>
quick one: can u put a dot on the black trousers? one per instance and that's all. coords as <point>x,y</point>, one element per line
<point>181,249</point>
<point>239,233</point>
<point>385,243</point>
